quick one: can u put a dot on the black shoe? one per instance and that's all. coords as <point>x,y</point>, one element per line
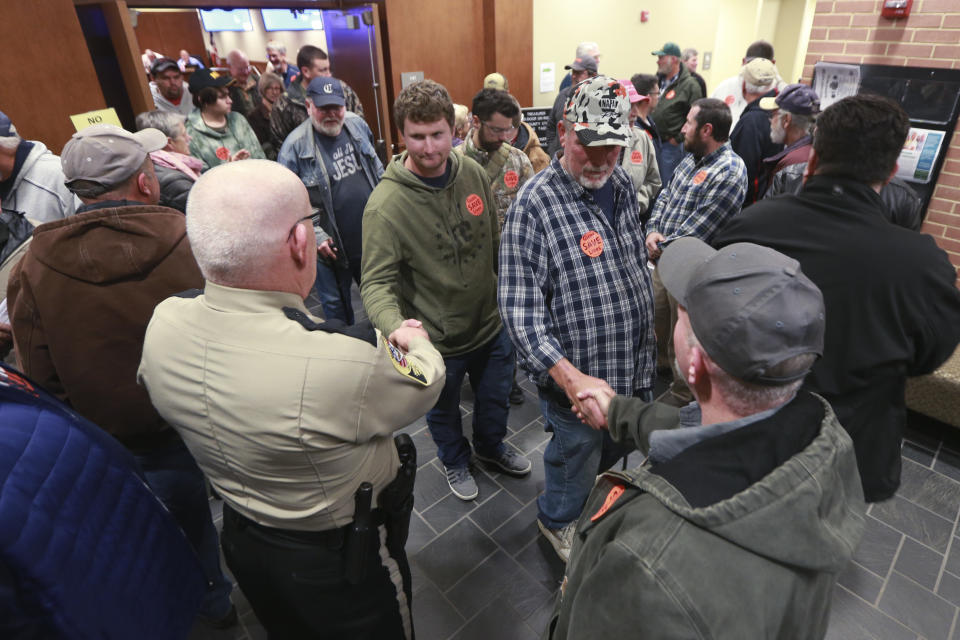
<point>516,394</point>
<point>225,622</point>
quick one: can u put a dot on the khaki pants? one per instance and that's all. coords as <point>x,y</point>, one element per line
<point>665,319</point>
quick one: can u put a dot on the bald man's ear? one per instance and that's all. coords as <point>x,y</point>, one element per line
<point>303,247</point>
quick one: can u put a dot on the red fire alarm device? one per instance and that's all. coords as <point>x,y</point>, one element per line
<point>644,16</point>
<point>894,9</point>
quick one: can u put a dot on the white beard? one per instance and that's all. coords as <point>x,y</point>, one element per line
<point>777,133</point>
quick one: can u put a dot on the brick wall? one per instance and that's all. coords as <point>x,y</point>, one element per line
<point>852,31</point>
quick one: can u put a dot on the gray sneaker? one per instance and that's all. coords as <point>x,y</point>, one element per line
<point>461,482</point>
<point>509,460</point>
<point>561,539</point>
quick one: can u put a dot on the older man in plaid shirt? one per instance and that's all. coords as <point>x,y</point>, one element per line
<point>575,294</point>
<point>707,188</point>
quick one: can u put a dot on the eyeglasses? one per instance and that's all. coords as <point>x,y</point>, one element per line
<point>499,131</point>
<point>304,218</point>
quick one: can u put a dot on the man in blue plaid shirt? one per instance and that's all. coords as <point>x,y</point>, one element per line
<point>707,188</point>
<point>575,294</point>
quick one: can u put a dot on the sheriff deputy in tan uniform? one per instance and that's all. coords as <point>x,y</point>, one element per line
<point>289,417</point>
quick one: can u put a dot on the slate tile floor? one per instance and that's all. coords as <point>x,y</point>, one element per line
<point>482,571</point>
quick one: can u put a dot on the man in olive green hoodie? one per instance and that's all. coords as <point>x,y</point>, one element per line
<point>430,246</point>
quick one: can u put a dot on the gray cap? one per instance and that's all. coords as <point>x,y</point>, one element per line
<point>749,306</point>
<point>583,63</point>
<point>107,154</point>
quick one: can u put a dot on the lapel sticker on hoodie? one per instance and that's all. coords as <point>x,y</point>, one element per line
<point>474,204</point>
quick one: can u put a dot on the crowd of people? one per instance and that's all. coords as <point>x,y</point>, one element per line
<point>156,284</point>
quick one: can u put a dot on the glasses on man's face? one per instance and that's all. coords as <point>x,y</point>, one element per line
<point>499,131</point>
<point>303,219</point>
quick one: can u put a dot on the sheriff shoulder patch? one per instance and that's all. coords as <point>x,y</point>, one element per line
<point>401,364</point>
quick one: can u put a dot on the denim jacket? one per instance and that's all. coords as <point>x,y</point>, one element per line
<point>299,154</point>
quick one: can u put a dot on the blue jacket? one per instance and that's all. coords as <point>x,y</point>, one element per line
<point>86,551</point>
<point>299,154</point>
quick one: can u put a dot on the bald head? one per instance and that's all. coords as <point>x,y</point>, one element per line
<point>242,221</point>
<point>239,65</point>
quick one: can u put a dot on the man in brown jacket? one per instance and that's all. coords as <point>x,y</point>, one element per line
<point>80,301</point>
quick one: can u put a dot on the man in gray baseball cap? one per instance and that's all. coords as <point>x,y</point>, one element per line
<point>583,67</point>
<point>80,300</point>
<point>750,500</point>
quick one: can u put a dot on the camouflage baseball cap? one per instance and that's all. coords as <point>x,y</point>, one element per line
<point>599,110</point>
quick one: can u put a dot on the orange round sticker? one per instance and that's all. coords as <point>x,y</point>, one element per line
<point>700,177</point>
<point>223,153</point>
<point>670,94</point>
<point>474,204</point>
<point>591,244</point>
<point>729,100</point>
<point>636,157</point>
<point>510,178</point>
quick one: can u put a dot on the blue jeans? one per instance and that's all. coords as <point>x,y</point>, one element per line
<point>573,458</point>
<point>672,155</point>
<point>490,368</point>
<point>333,289</point>
<point>174,477</point>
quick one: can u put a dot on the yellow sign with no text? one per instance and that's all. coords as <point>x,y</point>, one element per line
<point>101,116</point>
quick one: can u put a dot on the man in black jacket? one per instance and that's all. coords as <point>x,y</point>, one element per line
<point>893,308</point>
<point>750,137</point>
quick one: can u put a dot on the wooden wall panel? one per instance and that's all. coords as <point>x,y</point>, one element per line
<point>56,77</point>
<point>442,38</point>
<point>169,31</point>
<point>514,46</point>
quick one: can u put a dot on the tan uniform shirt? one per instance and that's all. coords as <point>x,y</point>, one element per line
<point>286,422</point>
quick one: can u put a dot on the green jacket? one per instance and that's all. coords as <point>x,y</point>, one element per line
<point>204,141</point>
<point>675,101</point>
<point>431,254</point>
<point>761,563</point>
<point>507,168</point>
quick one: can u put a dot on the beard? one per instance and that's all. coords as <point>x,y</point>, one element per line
<point>695,146</point>
<point>777,133</point>
<point>328,127</point>
<point>594,181</point>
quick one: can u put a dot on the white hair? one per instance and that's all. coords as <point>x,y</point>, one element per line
<point>689,53</point>
<point>746,398</point>
<point>275,45</point>
<point>238,218</point>
<point>166,121</point>
<point>587,48</point>
<point>758,88</point>
<point>801,122</point>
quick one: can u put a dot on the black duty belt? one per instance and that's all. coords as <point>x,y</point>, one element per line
<point>331,538</point>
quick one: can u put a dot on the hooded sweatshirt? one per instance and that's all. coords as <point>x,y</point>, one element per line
<point>431,254</point>
<point>216,146</point>
<point>80,301</point>
<point>755,561</point>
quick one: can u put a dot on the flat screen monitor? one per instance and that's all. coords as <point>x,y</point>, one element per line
<point>290,20</point>
<point>226,20</point>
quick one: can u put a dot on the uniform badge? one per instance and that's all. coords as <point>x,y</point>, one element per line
<point>474,204</point>
<point>511,179</point>
<point>700,177</point>
<point>401,364</point>
<point>591,244</point>
<point>636,157</point>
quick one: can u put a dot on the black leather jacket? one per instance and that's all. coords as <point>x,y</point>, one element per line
<point>902,205</point>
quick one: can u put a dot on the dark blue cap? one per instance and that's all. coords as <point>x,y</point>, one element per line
<point>325,91</point>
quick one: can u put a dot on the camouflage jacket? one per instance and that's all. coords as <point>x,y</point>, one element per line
<point>508,169</point>
<point>246,99</point>
<point>291,109</point>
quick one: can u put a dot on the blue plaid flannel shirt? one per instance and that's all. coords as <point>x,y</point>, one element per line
<point>556,301</point>
<point>699,204</point>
